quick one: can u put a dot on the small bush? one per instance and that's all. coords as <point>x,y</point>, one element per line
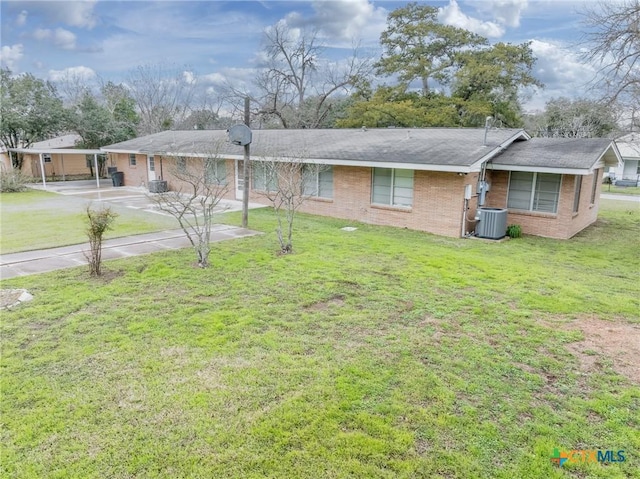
<point>99,221</point>
<point>514,231</point>
<point>12,181</point>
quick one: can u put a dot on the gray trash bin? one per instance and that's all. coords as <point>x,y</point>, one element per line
<point>117,178</point>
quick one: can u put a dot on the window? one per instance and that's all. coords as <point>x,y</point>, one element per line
<point>317,182</point>
<point>152,163</point>
<point>215,171</point>
<point>46,157</point>
<point>576,197</point>
<point>534,191</point>
<point>181,164</point>
<point>392,187</point>
<point>264,178</point>
<point>132,159</point>
<point>594,186</point>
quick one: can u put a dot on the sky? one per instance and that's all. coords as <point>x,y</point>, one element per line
<point>220,41</point>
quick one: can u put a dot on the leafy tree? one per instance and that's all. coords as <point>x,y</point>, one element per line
<point>30,111</point>
<point>495,76</point>
<point>418,47</point>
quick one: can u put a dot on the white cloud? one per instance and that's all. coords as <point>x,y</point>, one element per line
<point>189,77</point>
<point>10,55</point>
<point>79,72</point>
<point>343,20</point>
<point>73,13</point>
<point>21,19</point>
<point>60,37</point>
<point>453,15</point>
<point>562,72</point>
<point>506,12</point>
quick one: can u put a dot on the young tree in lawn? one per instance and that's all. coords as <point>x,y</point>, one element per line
<point>287,182</point>
<point>201,183</point>
<point>99,221</point>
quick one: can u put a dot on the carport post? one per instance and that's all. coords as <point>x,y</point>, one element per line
<point>64,178</point>
<point>95,162</point>
<point>44,180</point>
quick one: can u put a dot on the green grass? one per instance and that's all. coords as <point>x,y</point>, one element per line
<point>375,353</point>
<point>39,219</point>
<point>621,190</point>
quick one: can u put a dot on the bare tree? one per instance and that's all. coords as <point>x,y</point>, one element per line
<point>287,182</point>
<point>613,38</point>
<point>201,184</point>
<point>163,95</point>
<point>296,83</point>
<point>577,118</point>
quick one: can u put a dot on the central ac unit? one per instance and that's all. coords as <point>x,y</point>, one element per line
<point>491,223</point>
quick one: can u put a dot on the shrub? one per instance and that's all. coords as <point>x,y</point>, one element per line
<point>12,181</point>
<point>98,221</point>
<point>514,231</point>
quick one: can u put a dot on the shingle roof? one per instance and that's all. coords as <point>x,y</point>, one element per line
<point>444,147</point>
<point>560,153</point>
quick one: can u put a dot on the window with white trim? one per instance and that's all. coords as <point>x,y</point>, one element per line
<point>534,191</point>
<point>263,177</point>
<point>132,159</point>
<point>152,162</point>
<point>181,164</point>
<point>576,195</point>
<point>317,181</point>
<point>46,157</point>
<point>215,171</point>
<point>594,186</point>
<point>392,187</point>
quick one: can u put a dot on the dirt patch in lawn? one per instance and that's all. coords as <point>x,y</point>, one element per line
<point>616,341</point>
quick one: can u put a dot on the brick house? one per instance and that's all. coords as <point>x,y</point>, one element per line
<point>56,158</point>
<point>427,179</point>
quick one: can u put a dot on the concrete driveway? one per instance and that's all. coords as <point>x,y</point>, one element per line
<point>126,196</point>
<point>40,261</point>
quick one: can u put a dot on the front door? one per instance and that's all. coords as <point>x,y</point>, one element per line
<point>239,179</point>
<point>151,167</point>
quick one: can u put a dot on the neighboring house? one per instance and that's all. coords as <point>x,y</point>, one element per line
<point>424,179</point>
<point>57,158</point>
<point>628,173</point>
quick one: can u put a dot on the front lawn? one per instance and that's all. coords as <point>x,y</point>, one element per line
<point>39,219</point>
<point>374,353</point>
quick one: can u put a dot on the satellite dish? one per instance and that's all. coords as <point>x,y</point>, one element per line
<point>240,135</point>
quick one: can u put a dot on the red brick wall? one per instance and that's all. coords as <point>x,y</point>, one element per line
<point>562,225</point>
<point>437,201</point>
<point>133,175</point>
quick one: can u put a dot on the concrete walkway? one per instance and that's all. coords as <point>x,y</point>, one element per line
<point>42,261</point>
<point>605,196</point>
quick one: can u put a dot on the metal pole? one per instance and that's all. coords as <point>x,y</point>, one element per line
<point>95,162</point>
<point>245,170</point>
<point>44,180</point>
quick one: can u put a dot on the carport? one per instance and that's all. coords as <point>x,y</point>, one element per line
<point>60,151</point>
